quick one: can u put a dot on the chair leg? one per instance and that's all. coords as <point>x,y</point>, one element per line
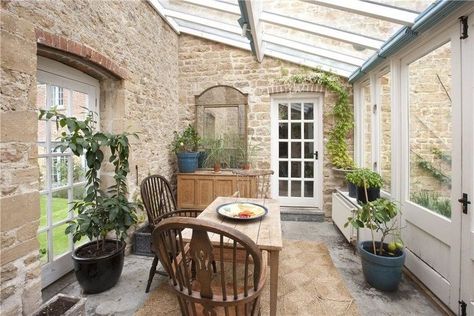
<point>214,266</point>
<point>152,273</point>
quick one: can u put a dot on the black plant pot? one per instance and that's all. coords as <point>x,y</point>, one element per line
<point>99,274</point>
<point>372,194</point>
<point>352,188</point>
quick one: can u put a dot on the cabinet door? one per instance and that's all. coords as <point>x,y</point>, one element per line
<point>204,192</point>
<point>224,187</point>
<point>186,192</point>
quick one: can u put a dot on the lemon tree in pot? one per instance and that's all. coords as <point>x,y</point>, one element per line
<point>185,146</point>
<point>382,262</point>
<point>97,264</point>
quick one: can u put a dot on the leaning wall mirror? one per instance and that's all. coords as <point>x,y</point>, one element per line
<point>221,118</point>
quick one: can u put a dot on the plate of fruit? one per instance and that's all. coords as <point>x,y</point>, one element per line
<point>242,210</point>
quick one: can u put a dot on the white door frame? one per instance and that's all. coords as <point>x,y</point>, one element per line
<point>53,73</point>
<point>317,100</point>
<point>443,229</point>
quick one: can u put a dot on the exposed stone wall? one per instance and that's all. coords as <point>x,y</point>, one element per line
<point>203,64</point>
<point>132,35</point>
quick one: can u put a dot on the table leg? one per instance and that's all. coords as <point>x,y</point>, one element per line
<point>274,260</point>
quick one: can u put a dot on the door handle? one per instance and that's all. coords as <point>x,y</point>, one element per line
<point>316,155</point>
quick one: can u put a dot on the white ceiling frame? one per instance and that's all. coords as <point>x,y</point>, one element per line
<point>216,38</point>
<point>343,58</point>
<point>296,46</point>
<point>373,10</point>
<point>161,12</point>
<point>216,5</point>
<point>321,30</point>
<point>254,9</point>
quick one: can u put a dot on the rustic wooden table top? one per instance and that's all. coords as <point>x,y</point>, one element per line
<point>265,232</point>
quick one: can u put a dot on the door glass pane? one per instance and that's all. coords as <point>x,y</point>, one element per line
<point>43,247</point>
<point>43,180</point>
<point>283,188</point>
<point>60,205</point>
<point>43,208</point>
<point>295,130</point>
<point>59,170</point>
<point>308,189</point>
<point>308,131</point>
<point>60,240</point>
<point>308,111</point>
<point>295,150</point>
<point>296,188</point>
<point>283,131</point>
<point>385,130</point>
<point>367,125</point>
<point>79,169</point>
<point>295,111</point>
<point>80,103</point>
<point>308,169</point>
<point>283,149</point>
<point>296,169</point>
<point>283,169</point>
<point>430,130</point>
<point>308,150</point>
<point>283,111</point>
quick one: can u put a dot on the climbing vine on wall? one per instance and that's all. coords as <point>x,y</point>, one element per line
<point>337,144</point>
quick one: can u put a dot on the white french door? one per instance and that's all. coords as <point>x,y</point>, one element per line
<point>434,164</point>
<point>296,149</point>
<point>62,175</point>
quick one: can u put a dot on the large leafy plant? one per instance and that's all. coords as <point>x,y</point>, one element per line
<point>186,141</point>
<point>100,212</point>
<point>364,177</point>
<point>343,119</point>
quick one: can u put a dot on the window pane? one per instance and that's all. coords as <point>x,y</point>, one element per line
<point>308,111</point>
<point>295,150</point>
<point>43,247</point>
<point>367,125</point>
<point>308,150</point>
<point>308,188</point>
<point>283,149</point>
<point>430,130</point>
<point>80,104</point>
<point>60,240</point>
<point>60,205</point>
<point>283,169</point>
<point>79,169</point>
<point>296,188</point>
<point>43,180</point>
<point>308,131</point>
<point>308,169</point>
<point>295,111</point>
<point>59,171</point>
<point>283,131</point>
<point>283,188</point>
<point>283,111</point>
<point>295,130</point>
<point>43,208</point>
<point>385,130</point>
<point>296,169</point>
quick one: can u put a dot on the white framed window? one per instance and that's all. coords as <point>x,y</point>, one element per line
<point>58,97</point>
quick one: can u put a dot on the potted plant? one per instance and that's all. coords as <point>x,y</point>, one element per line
<point>351,179</point>
<point>98,264</point>
<point>62,304</point>
<point>246,154</point>
<point>367,181</point>
<point>382,263</point>
<point>216,154</point>
<point>185,146</point>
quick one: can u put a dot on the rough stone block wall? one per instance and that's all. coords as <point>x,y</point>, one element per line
<point>203,64</point>
<point>131,34</point>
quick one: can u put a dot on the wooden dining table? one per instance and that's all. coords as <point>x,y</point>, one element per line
<point>265,232</point>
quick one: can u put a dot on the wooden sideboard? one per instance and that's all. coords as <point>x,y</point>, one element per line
<point>198,189</point>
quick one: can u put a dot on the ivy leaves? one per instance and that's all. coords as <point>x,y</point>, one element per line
<point>337,144</point>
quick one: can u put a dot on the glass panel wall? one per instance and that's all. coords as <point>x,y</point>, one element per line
<point>385,129</point>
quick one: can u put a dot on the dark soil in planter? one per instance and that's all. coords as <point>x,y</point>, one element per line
<point>91,250</point>
<point>385,253</point>
<point>57,308</point>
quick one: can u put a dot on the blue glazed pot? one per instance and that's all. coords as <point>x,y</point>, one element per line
<point>383,273</point>
<point>187,161</point>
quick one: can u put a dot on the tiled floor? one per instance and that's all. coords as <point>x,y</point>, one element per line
<point>129,294</point>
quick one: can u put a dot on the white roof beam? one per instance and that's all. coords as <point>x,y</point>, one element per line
<point>370,9</point>
<point>310,49</point>
<point>321,30</point>
<point>204,21</point>
<point>254,9</point>
<point>216,38</point>
<point>161,12</point>
<point>216,5</point>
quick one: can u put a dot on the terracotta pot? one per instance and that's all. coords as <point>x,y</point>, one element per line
<point>246,166</point>
<point>217,167</point>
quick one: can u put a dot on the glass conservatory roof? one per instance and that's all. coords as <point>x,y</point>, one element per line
<point>337,36</point>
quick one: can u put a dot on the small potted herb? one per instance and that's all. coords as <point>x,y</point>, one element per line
<point>382,262</point>
<point>366,180</point>
<point>216,154</point>
<point>185,146</point>
<point>351,183</point>
<point>246,154</point>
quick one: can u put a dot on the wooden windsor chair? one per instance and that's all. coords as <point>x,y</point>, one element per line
<point>159,203</point>
<point>253,183</point>
<point>233,289</point>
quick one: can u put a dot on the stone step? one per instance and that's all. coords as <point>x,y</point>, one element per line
<point>302,214</point>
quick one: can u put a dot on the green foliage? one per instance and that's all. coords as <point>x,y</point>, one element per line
<point>434,172</point>
<point>337,144</point>
<point>365,177</point>
<point>99,212</point>
<point>433,201</point>
<point>188,140</point>
<point>216,152</point>
<point>247,152</point>
<point>379,216</point>
<point>441,155</point>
